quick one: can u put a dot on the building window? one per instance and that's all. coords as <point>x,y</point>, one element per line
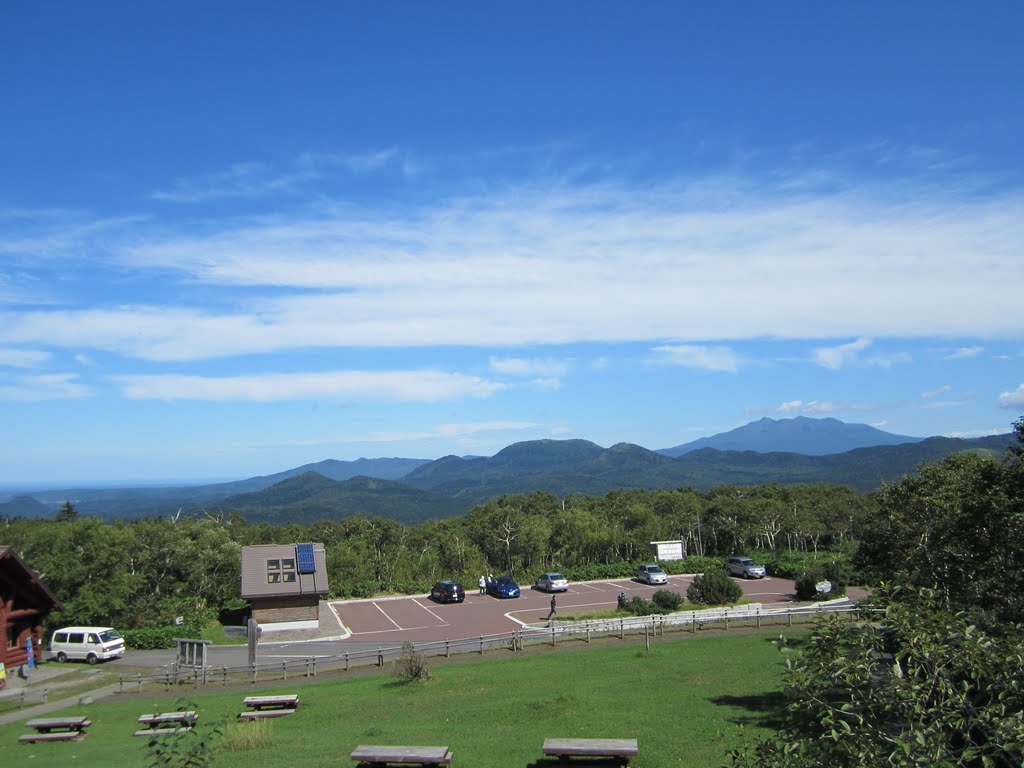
<point>281,571</point>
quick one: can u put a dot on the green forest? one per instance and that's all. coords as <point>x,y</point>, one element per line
<point>143,573</point>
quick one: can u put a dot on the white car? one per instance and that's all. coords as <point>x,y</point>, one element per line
<point>552,582</point>
<point>651,574</point>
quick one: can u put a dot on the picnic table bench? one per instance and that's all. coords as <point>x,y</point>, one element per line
<point>162,723</point>
<point>56,729</point>
<point>621,749</point>
<point>382,755</point>
<point>261,707</point>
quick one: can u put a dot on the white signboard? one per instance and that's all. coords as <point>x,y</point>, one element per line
<point>669,550</point>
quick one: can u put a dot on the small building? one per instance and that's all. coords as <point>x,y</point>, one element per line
<point>284,583</point>
<point>25,602</point>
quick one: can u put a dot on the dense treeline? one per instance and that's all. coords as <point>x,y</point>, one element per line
<point>933,676</point>
<point>145,572</point>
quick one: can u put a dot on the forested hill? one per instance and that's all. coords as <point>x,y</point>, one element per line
<point>452,485</point>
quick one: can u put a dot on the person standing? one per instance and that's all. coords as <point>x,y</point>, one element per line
<point>554,605</point>
<point>483,584</point>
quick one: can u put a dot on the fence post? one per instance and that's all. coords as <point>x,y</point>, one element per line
<point>552,635</point>
<point>622,629</point>
<point>380,657</point>
<point>789,618</point>
<point>758,618</point>
<point>647,636</point>
<point>727,621</point>
<point>447,649</point>
<point>481,645</point>
<point>346,661</point>
<point>588,634</point>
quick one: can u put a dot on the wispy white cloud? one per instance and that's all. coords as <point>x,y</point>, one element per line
<point>955,402</point>
<point>936,392</point>
<point>453,431</point>
<point>405,386</point>
<point>979,432</point>
<point>1014,399</point>
<point>840,356</point>
<point>964,353</point>
<point>521,366</point>
<point>693,261</point>
<point>55,386</point>
<point>817,407</point>
<point>23,358</point>
<point>709,358</point>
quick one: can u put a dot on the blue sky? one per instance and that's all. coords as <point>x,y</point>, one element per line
<point>239,237</point>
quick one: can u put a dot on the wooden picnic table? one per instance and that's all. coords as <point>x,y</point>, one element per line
<point>167,722</point>
<point>261,707</point>
<point>621,749</point>
<point>56,729</point>
<point>382,755</point>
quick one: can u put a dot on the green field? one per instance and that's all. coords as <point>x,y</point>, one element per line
<point>684,700</point>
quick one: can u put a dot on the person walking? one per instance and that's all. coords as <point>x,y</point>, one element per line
<point>554,605</point>
<point>483,584</point>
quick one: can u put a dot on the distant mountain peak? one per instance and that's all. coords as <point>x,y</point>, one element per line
<point>800,434</point>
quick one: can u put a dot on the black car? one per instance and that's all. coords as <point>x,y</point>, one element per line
<point>448,592</point>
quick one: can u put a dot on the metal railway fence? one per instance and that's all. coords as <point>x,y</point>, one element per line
<point>549,633</point>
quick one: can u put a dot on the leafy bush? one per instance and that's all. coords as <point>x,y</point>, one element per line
<point>836,573</point>
<point>637,606</point>
<point>151,638</point>
<point>698,565</point>
<point>713,588</point>
<point>411,665</point>
<point>666,600</point>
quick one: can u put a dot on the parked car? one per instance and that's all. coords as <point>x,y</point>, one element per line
<point>552,582</point>
<point>503,586</point>
<point>651,574</point>
<point>448,592</point>
<point>92,644</point>
<point>745,568</point>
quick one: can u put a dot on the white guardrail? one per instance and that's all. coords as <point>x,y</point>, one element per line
<point>546,632</point>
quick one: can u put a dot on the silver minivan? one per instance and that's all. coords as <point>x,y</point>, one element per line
<point>91,644</point>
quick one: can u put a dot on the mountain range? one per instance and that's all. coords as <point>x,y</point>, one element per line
<point>799,450</point>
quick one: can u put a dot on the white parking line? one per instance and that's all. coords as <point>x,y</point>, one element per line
<point>400,629</point>
<point>421,605</point>
<point>588,586</point>
<point>385,615</point>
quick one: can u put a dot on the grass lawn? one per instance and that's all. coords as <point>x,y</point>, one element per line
<point>683,700</point>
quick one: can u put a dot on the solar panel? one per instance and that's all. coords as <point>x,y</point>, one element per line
<point>304,555</point>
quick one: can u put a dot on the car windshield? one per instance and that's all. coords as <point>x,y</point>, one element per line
<point>556,577</point>
<point>505,581</point>
<point>654,569</point>
<point>109,635</point>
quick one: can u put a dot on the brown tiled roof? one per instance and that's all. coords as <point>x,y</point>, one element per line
<point>12,564</point>
<point>254,572</point>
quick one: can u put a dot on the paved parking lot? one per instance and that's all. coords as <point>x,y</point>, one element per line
<point>396,619</point>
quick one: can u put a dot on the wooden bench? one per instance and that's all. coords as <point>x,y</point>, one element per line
<point>619,749</point>
<point>382,755</point>
<point>157,724</point>
<point>261,707</point>
<point>56,729</point>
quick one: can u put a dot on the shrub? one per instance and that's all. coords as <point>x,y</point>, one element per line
<point>637,606</point>
<point>151,638</point>
<point>699,565</point>
<point>714,588</point>
<point>411,665</point>
<point>806,585</point>
<point>666,600</point>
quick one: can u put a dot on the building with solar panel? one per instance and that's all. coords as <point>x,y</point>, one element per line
<point>284,583</point>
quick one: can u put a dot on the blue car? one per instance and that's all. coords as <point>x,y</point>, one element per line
<point>503,586</point>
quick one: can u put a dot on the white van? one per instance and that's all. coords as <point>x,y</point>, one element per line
<point>89,643</point>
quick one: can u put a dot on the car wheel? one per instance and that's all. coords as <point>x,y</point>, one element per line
<point>93,658</point>
<point>62,657</point>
